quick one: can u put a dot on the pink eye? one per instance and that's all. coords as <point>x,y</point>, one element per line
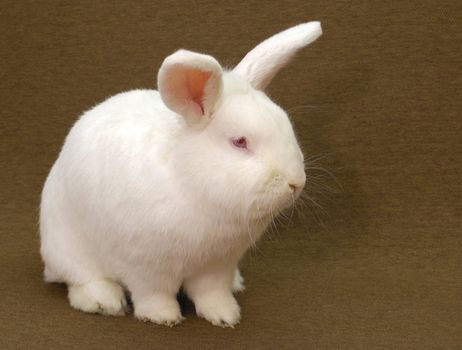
<point>240,142</point>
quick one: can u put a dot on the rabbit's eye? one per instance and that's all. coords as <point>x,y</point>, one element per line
<point>240,142</point>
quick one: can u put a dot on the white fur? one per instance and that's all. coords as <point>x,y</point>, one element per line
<point>148,199</point>
<point>101,296</point>
<point>176,70</point>
<point>261,64</point>
<point>238,282</point>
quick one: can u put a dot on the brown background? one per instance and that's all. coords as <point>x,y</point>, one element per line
<point>378,95</point>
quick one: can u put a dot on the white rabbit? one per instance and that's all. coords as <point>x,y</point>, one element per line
<point>158,190</point>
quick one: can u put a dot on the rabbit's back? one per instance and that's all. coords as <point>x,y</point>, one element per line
<point>118,146</point>
<point>110,175</point>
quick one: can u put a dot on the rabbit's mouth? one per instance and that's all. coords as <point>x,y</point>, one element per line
<point>272,203</point>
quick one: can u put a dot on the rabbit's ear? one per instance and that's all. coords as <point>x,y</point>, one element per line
<point>190,84</point>
<point>261,64</point>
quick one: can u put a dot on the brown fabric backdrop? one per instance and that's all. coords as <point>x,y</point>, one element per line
<point>378,95</point>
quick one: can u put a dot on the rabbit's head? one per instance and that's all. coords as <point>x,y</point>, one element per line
<point>237,150</point>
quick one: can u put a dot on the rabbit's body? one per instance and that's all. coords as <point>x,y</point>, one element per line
<point>153,191</point>
<point>122,211</point>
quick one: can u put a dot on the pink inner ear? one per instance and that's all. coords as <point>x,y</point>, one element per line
<point>196,86</point>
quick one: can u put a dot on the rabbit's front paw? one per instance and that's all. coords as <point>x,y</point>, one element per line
<point>160,309</point>
<point>220,309</point>
<point>101,296</point>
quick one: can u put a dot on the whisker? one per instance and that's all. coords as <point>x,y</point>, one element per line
<point>318,157</point>
<point>301,107</point>
<point>323,170</point>
<point>273,217</point>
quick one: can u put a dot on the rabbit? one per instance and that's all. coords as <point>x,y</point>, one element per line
<point>157,191</point>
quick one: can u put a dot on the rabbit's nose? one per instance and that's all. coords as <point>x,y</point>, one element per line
<point>296,188</point>
<point>296,185</point>
<point>293,187</point>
